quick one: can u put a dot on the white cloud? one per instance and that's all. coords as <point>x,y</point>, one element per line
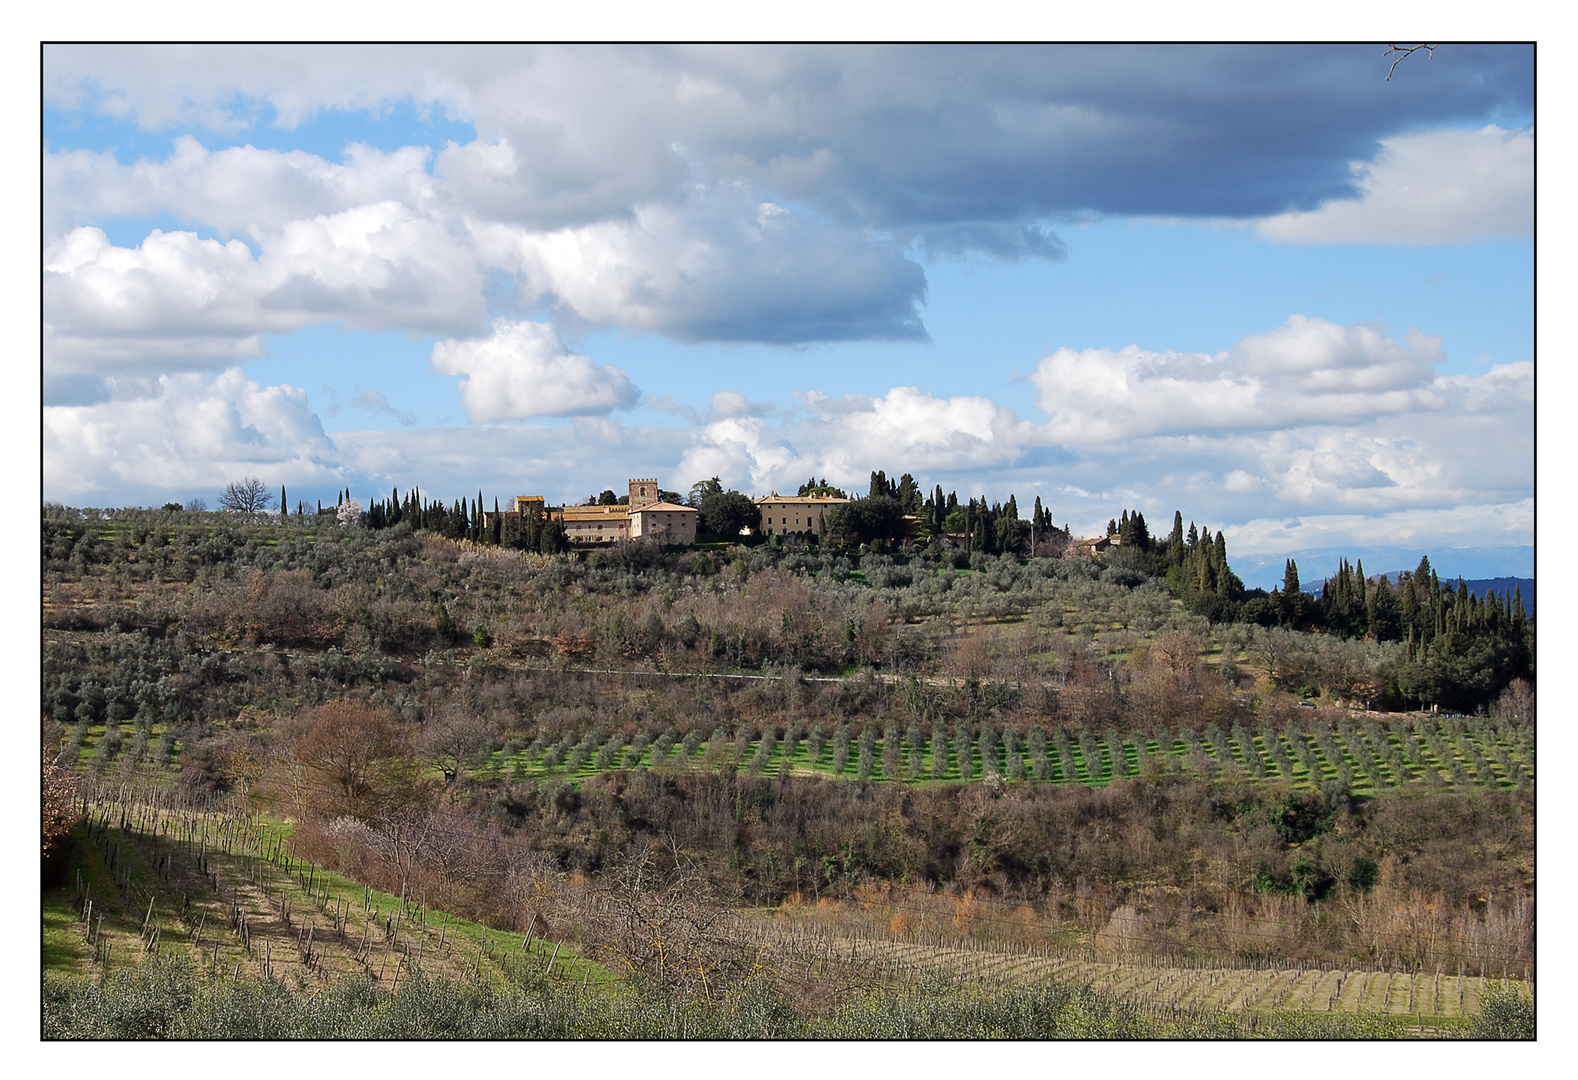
<point>1240,482</point>
<point>563,461</point>
<point>716,267</point>
<point>721,194</point>
<point>372,267</point>
<point>1431,187</point>
<point>1309,371</point>
<point>238,190</point>
<point>377,402</point>
<point>190,433</point>
<point>522,370</point>
<point>219,87</point>
<point>1481,525</point>
<point>843,439</point>
<point>896,136</point>
<point>1461,469</point>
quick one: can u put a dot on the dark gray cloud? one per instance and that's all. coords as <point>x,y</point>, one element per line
<point>753,193</point>
<point>896,135</point>
<point>1008,242</point>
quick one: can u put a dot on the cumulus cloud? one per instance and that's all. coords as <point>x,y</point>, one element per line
<point>522,370</point>
<point>179,299</point>
<point>1429,187</point>
<point>721,266</point>
<point>220,88</point>
<point>723,194</point>
<point>1509,523</point>
<point>1309,371</point>
<point>1467,463</point>
<point>189,432</point>
<point>842,438</point>
<point>238,190</point>
<point>896,136</point>
<point>564,461</point>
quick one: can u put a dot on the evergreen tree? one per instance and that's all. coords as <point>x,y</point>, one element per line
<point>1291,598</point>
<point>1008,527</point>
<point>1175,541</point>
<point>908,493</point>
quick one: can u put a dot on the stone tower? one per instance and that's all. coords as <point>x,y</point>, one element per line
<point>643,493</point>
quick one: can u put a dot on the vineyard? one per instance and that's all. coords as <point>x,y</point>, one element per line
<point>1428,997</point>
<point>153,880</point>
<point>1360,752</point>
<point>150,877</point>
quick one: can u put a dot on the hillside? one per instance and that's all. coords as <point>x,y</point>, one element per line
<point>504,736</point>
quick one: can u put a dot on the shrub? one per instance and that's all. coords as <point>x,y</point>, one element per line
<point>990,764</point>
<point>1016,763</point>
<point>1090,750</point>
<point>1036,743</point>
<point>1065,757</point>
<point>963,751</point>
<point>814,745</point>
<point>1120,762</point>
<point>841,739</point>
<point>892,753</point>
<point>764,749</point>
<point>915,737</point>
<point>1505,1012</point>
<point>791,746</point>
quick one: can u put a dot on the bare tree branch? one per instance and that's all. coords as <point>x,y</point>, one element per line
<point>1403,52</point>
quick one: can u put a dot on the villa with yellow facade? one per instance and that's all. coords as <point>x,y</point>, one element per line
<point>785,515</point>
<point>644,516</point>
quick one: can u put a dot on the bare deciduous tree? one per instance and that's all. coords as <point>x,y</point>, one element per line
<point>669,927</point>
<point>248,496</point>
<point>454,739</point>
<point>360,755</point>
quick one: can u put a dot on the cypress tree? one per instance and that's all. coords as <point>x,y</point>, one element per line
<point>1175,541</point>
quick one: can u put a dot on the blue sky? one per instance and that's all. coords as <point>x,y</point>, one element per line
<point>547,270</point>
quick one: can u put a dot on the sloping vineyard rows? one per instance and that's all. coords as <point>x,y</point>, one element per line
<point>156,875</point>
<point>900,964</point>
<point>1362,753</point>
